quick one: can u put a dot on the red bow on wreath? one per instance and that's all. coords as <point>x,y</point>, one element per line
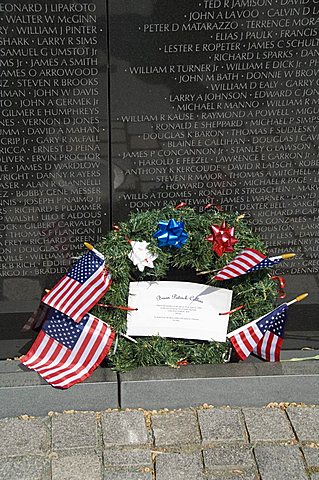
<point>223,239</point>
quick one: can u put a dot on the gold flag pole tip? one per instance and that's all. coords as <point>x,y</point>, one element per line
<point>298,299</point>
<point>88,245</point>
<point>301,297</point>
<point>287,256</point>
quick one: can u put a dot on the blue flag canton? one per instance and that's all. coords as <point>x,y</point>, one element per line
<point>63,329</point>
<point>275,321</point>
<point>85,267</point>
<point>266,263</point>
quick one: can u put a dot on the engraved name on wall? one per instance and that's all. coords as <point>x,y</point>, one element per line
<point>53,135</point>
<point>221,104</point>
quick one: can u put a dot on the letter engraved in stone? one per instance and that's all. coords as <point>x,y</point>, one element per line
<point>50,134</point>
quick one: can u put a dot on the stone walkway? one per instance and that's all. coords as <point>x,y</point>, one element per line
<point>270,443</point>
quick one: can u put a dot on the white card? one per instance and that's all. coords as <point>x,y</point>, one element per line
<point>178,310</point>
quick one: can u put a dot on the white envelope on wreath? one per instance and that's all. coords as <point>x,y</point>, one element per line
<point>179,310</point>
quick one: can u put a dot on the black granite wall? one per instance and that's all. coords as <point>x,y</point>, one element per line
<point>209,101</point>
<point>53,148</point>
<point>217,101</point>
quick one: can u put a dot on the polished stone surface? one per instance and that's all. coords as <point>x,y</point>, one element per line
<point>150,103</point>
<point>208,111</point>
<point>55,185</point>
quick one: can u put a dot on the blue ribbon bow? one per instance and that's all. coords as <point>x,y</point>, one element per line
<point>171,234</point>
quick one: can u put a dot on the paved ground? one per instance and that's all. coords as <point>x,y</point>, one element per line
<point>270,443</point>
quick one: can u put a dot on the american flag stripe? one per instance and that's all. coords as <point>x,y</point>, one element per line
<point>50,354</point>
<point>54,295</point>
<point>74,299</point>
<point>252,337</point>
<point>269,347</point>
<point>63,367</point>
<point>63,293</point>
<point>240,348</point>
<point>277,350</point>
<point>64,373</point>
<point>86,368</point>
<point>38,346</point>
<point>68,296</point>
<point>246,340</point>
<point>56,359</point>
<point>91,295</point>
<point>59,365</point>
<point>53,352</point>
<point>41,351</point>
<point>243,340</point>
<point>83,371</point>
<point>70,358</point>
<point>243,262</point>
<point>66,291</point>
<point>263,337</point>
<point>54,362</point>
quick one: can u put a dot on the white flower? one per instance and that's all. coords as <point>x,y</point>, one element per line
<point>141,256</point>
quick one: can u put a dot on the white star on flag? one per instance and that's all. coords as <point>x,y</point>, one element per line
<point>141,256</point>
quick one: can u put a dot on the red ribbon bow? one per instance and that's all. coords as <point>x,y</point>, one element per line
<point>223,239</point>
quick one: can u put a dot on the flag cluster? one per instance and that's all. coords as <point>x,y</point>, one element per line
<point>71,342</point>
<point>263,337</point>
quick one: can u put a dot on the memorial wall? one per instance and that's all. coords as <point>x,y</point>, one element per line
<point>217,101</point>
<point>209,101</point>
<point>53,147</point>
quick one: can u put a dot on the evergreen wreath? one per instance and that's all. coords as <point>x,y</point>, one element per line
<point>256,290</point>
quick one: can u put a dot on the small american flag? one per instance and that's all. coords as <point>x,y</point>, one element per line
<point>65,352</point>
<point>79,290</point>
<point>248,261</point>
<point>263,337</point>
